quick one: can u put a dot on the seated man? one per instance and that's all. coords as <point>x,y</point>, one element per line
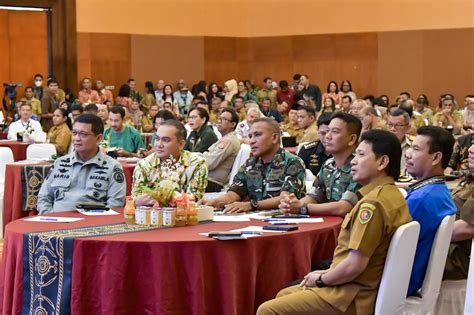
<point>24,124</point>
<point>370,119</point>
<point>459,158</point>
<point>307,122</point>
<point>35,103</point>
<point>429,199</point>
<point>350,285</point>
<point>170,161</point>
<point>314,153</point>
<point>86,175</point>
<point>457,265</point>
<point>221,155</point>
<point>266,176</point>
<point>398,122</point>
<point>291,126</point>
<point>243,129</point>
<point>103,113</point>
<point>126,138</point>
<point>267,111</point>
<point>335,188</point>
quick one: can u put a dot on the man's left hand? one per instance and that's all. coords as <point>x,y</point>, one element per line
<point>309,280</point>
<point>237,207</point>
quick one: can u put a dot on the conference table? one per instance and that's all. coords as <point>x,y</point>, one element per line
<point>17,205</point>
<point>165,270</point>
<point>18,148</point>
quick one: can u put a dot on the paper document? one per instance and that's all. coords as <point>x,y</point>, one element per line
<point>229,218</point>
<point>295,221</point>
<point>257,229</point>
<point>40,218</point>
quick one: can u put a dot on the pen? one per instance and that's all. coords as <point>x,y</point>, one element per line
<point>251,233</point>
<point>272,220</point>
<point>282,223</point>
<point>48,219</point>
<point>96,210</point>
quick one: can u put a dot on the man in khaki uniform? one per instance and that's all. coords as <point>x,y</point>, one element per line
<point>291,126</point>
<point>398,122</point>
<point>307,122</point>
<point>350,285</point>
<point>35,103</point>
<point>221,155</point>
<point>457,265</point>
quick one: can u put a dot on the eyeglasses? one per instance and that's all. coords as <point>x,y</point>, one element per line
<point>81,134</point>
<point>223,118</point>
<point>193,117</point>
<point>396,126</point>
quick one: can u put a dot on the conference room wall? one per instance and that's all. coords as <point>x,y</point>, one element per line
<point>428,61</point>
<point>23,45</point>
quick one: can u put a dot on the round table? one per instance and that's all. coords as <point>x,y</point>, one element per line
<point>18,149</point>
<point>172,271</point>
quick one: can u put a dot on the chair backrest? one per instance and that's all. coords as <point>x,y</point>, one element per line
<point>40,136</point>
<point>242,156</point>
<point>40,151</point>
<point>469,304</point>
<point>396,273</point>
<point>434,271</point>
<point>6,156</point>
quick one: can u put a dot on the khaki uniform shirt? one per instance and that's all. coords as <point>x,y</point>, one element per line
<point>35,105</point>
<point>221,156</point>
<point>457,264</point>
<point>294,131</point>
<point>271,94</point>
<point>61,136</point>
<point>70,180</point>
<point>241,113</point>
<point>368,228</point>
<point>309,134</point>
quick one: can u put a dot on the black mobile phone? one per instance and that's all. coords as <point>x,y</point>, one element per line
<point>280,228</point>
<point>224,233</point>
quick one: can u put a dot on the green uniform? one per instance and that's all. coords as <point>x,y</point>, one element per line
<point>129,139</point>
<point>457,265</point>
<point>367,228</point>
<point>135,95</point>
<point>71,180</point>
<point>460,157</point>
<point>200,140</point>
<point>260,181</point>
<point>334,184</point>
<point>189,173</point>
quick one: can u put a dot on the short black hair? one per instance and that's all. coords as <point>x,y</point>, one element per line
<point>283,84</point>
<point>233,113</point>
<point>406,93</point>
<point>38,75</point>
<point>441,140</point>
<point>385,143</point>
<point>324,119</point>
<point>240,98</point>
<point>354,125</point>
<point>130,80</point>
<point>296,77</point>
<point>28,88</point>
<point>181,133</point>
<point>91,108</point>
<point>117,109</point>
<point>77,107</point>
<point>95,121</point>
<point>165,114</point>
<point>202,113</point>
<point>347,96</point>
<point>266,79</point>
<point>404,105</point>
<point>310,110</point>
<point>52,81</point>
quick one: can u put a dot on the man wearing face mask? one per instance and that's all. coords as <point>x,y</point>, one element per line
<point>52,97</point>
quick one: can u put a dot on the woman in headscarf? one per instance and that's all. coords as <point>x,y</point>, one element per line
<point>230,89</point>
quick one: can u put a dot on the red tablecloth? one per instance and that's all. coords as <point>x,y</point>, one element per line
<point>13,193</point>
<point>18,148</point>
<point>172,271</point>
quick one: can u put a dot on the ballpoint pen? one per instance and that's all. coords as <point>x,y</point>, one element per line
<point>48,219</point>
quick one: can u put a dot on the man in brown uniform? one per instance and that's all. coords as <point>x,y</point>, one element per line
<point>457,265</point>
<point>350,285</point>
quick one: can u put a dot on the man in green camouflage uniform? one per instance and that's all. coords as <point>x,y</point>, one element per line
<point>264,178</point>
<point>169,166</point>
<point>335,189</point>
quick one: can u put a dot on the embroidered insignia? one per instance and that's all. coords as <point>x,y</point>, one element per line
<point>365,213</point>
<point>118,175</point>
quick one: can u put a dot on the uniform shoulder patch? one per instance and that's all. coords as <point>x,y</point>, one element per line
<point>366,212</point>
<point>311,145</point>
<point>118,175</point>
<point>222,143</point>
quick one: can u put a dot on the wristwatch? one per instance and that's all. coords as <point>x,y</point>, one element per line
<point>320,283</point>
<point>304,209</point>
<point>254,204</point>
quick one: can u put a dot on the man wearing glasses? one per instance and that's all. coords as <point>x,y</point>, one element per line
<point>398,122</point>
<point>86,175</point>
<point>221,155</point>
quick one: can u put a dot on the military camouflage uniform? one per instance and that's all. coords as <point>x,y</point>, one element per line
<point>70,180</point>
<point>460,156</point>
<point>259,181</point>
<point>334,184</point>
<point>190,174</point>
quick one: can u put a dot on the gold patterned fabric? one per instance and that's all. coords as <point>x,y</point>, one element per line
<point>32,177</point>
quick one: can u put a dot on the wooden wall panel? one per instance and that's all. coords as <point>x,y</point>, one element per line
<point>104,56</point>
<point>220,59</point>
<point>169,58</point>
<point>23,46</point>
